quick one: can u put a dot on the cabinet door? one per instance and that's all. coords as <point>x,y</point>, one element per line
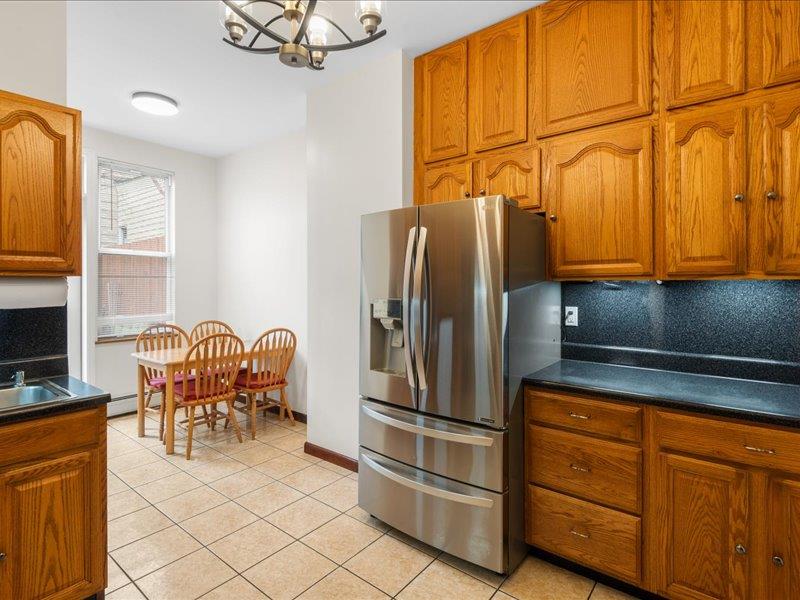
<point>444,102</point>
<point>784,538</point>
<point>592,63</point>
<point>513,174</point>
<point>600,195</point>
<point>450,182</point>
<point>704,47</point>
<point>40,196</point>
<point>782,179</point>
<point>781,40</point>
<point>48,535</point>
<point>701,530</point>
<point>498,82</point>
<point>704,193</point>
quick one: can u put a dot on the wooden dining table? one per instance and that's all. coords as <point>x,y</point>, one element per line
<point>168,361</point>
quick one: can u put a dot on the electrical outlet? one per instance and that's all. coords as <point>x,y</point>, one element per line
<point>571,316</point>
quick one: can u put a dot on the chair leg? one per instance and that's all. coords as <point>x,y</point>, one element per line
<point>191,429</point>
<point>251,398</point>
<point>161,413</point>
<point>148,397</point>
<point>209,423</point>
<point>234,421</point>
<point>285,404</point>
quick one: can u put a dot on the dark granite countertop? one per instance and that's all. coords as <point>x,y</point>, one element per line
<point>82,396</point>
<point>762,401</point>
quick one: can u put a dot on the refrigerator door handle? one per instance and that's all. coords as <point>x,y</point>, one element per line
<point>419,264</point>
<point>412,233</point>
<point>427,489</point>
<point>449,436</point>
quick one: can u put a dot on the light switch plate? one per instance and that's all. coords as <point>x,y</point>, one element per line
<point>571,316</point>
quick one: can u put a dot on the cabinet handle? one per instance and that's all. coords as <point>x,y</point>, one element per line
<point>2,555</point>
<point>740,549</point>
<point>772,195</point>
<point>580,469</point>
<point>759,450</point>
<point>777,561</point>
<point>579,416</point>
<point>553,218</point>
<point>578,534</point>
<point>482,192</point>
<point>467,194</point>
<point>739,197</point>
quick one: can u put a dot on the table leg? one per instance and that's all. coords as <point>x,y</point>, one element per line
<point>169,399</point>
<point>140,398</point>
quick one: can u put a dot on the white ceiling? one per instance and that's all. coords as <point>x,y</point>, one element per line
<point>229,99</point>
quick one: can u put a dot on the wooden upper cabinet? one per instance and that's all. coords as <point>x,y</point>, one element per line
<point>704,192</point>
<point>446,183</point>
<point>783,543</point>
<point>51,536</point>
<point>703,518</point>
<point>781,195</point>
<point>600,198</point>
<point>40,187</point>
<point>443,84</point>
<point>703,46</point>
<point>514,174</point>
<point>498,84</point>
<point>779,40</point>
<point>593,63</point>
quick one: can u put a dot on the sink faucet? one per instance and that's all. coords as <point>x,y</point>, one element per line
<point>19,379</point>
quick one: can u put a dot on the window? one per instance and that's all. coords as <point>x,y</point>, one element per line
<point>136,267</point>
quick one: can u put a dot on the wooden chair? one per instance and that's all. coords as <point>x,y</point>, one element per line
<point>215,362</point>
<point>158,337</point>
<point>210,327</point>
<point>270,358</point>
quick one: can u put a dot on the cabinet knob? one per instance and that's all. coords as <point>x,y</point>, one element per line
<point>553,218</point>
<point>740,549</point>
<point>739,197</point>
<point>772,195</point>
<point>467,194</point>
<point>482,192</point>
<point>2,555</point>
<point>777,561</point>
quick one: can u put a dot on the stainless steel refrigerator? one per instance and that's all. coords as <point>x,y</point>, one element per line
<point>455,309</point>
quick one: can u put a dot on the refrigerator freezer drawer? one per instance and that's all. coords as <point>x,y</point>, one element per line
<point>465,453</point>
<point>460,519</point>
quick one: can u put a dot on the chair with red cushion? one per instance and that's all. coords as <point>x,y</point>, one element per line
<point>211,367</point>
<point>162,336</point>
<point>270,358</point>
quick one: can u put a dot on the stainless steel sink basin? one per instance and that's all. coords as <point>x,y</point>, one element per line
<point>18,398</point>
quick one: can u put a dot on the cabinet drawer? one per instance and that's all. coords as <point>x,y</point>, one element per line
<point>754,445</point>
<point>582,413</point>
<point>598,537</point>
<point>605,472</point>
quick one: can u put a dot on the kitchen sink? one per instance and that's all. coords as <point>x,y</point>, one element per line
<point>19,398</point>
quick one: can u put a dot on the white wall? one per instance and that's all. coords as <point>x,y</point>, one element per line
<point>262,213</point>
<point>109,366</point>
<point>358,141</point>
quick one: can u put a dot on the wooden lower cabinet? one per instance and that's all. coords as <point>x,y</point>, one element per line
<point>53,511</point>
<point>783,570</point>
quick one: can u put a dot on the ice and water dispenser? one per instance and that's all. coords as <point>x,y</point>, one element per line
<point>387,337</point>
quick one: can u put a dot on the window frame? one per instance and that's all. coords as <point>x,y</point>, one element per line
<point>169,253</point>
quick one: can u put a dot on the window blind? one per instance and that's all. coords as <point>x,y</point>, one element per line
<point>136,267</point>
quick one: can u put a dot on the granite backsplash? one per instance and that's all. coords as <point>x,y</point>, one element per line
<point>33,340</point>
<point>747,329</point>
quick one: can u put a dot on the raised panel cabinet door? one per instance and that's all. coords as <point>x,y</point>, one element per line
<point>781,193</point>
<point>593,63</point>
<point>513,174</point>
<point>704,193</point>
<point>780,34</point>
<point>444,102</point>
<point>498,81</point>
<point>784,538</point>
<point>40,196</point>
<point>450,182</point>
<point>600,199</point>
<point>702,529</point>
<point>49,511</point>
<point>704,48</point>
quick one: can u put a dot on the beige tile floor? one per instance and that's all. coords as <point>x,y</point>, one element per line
<point>263,519</point>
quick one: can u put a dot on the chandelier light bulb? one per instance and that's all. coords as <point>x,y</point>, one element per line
<point>233,23</point>
<point>370,13</point>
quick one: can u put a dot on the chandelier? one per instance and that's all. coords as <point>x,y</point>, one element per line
<point>301,29</point>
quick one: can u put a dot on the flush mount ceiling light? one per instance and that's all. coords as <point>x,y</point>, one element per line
<point>301,28</point>
<point>154,104</point>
